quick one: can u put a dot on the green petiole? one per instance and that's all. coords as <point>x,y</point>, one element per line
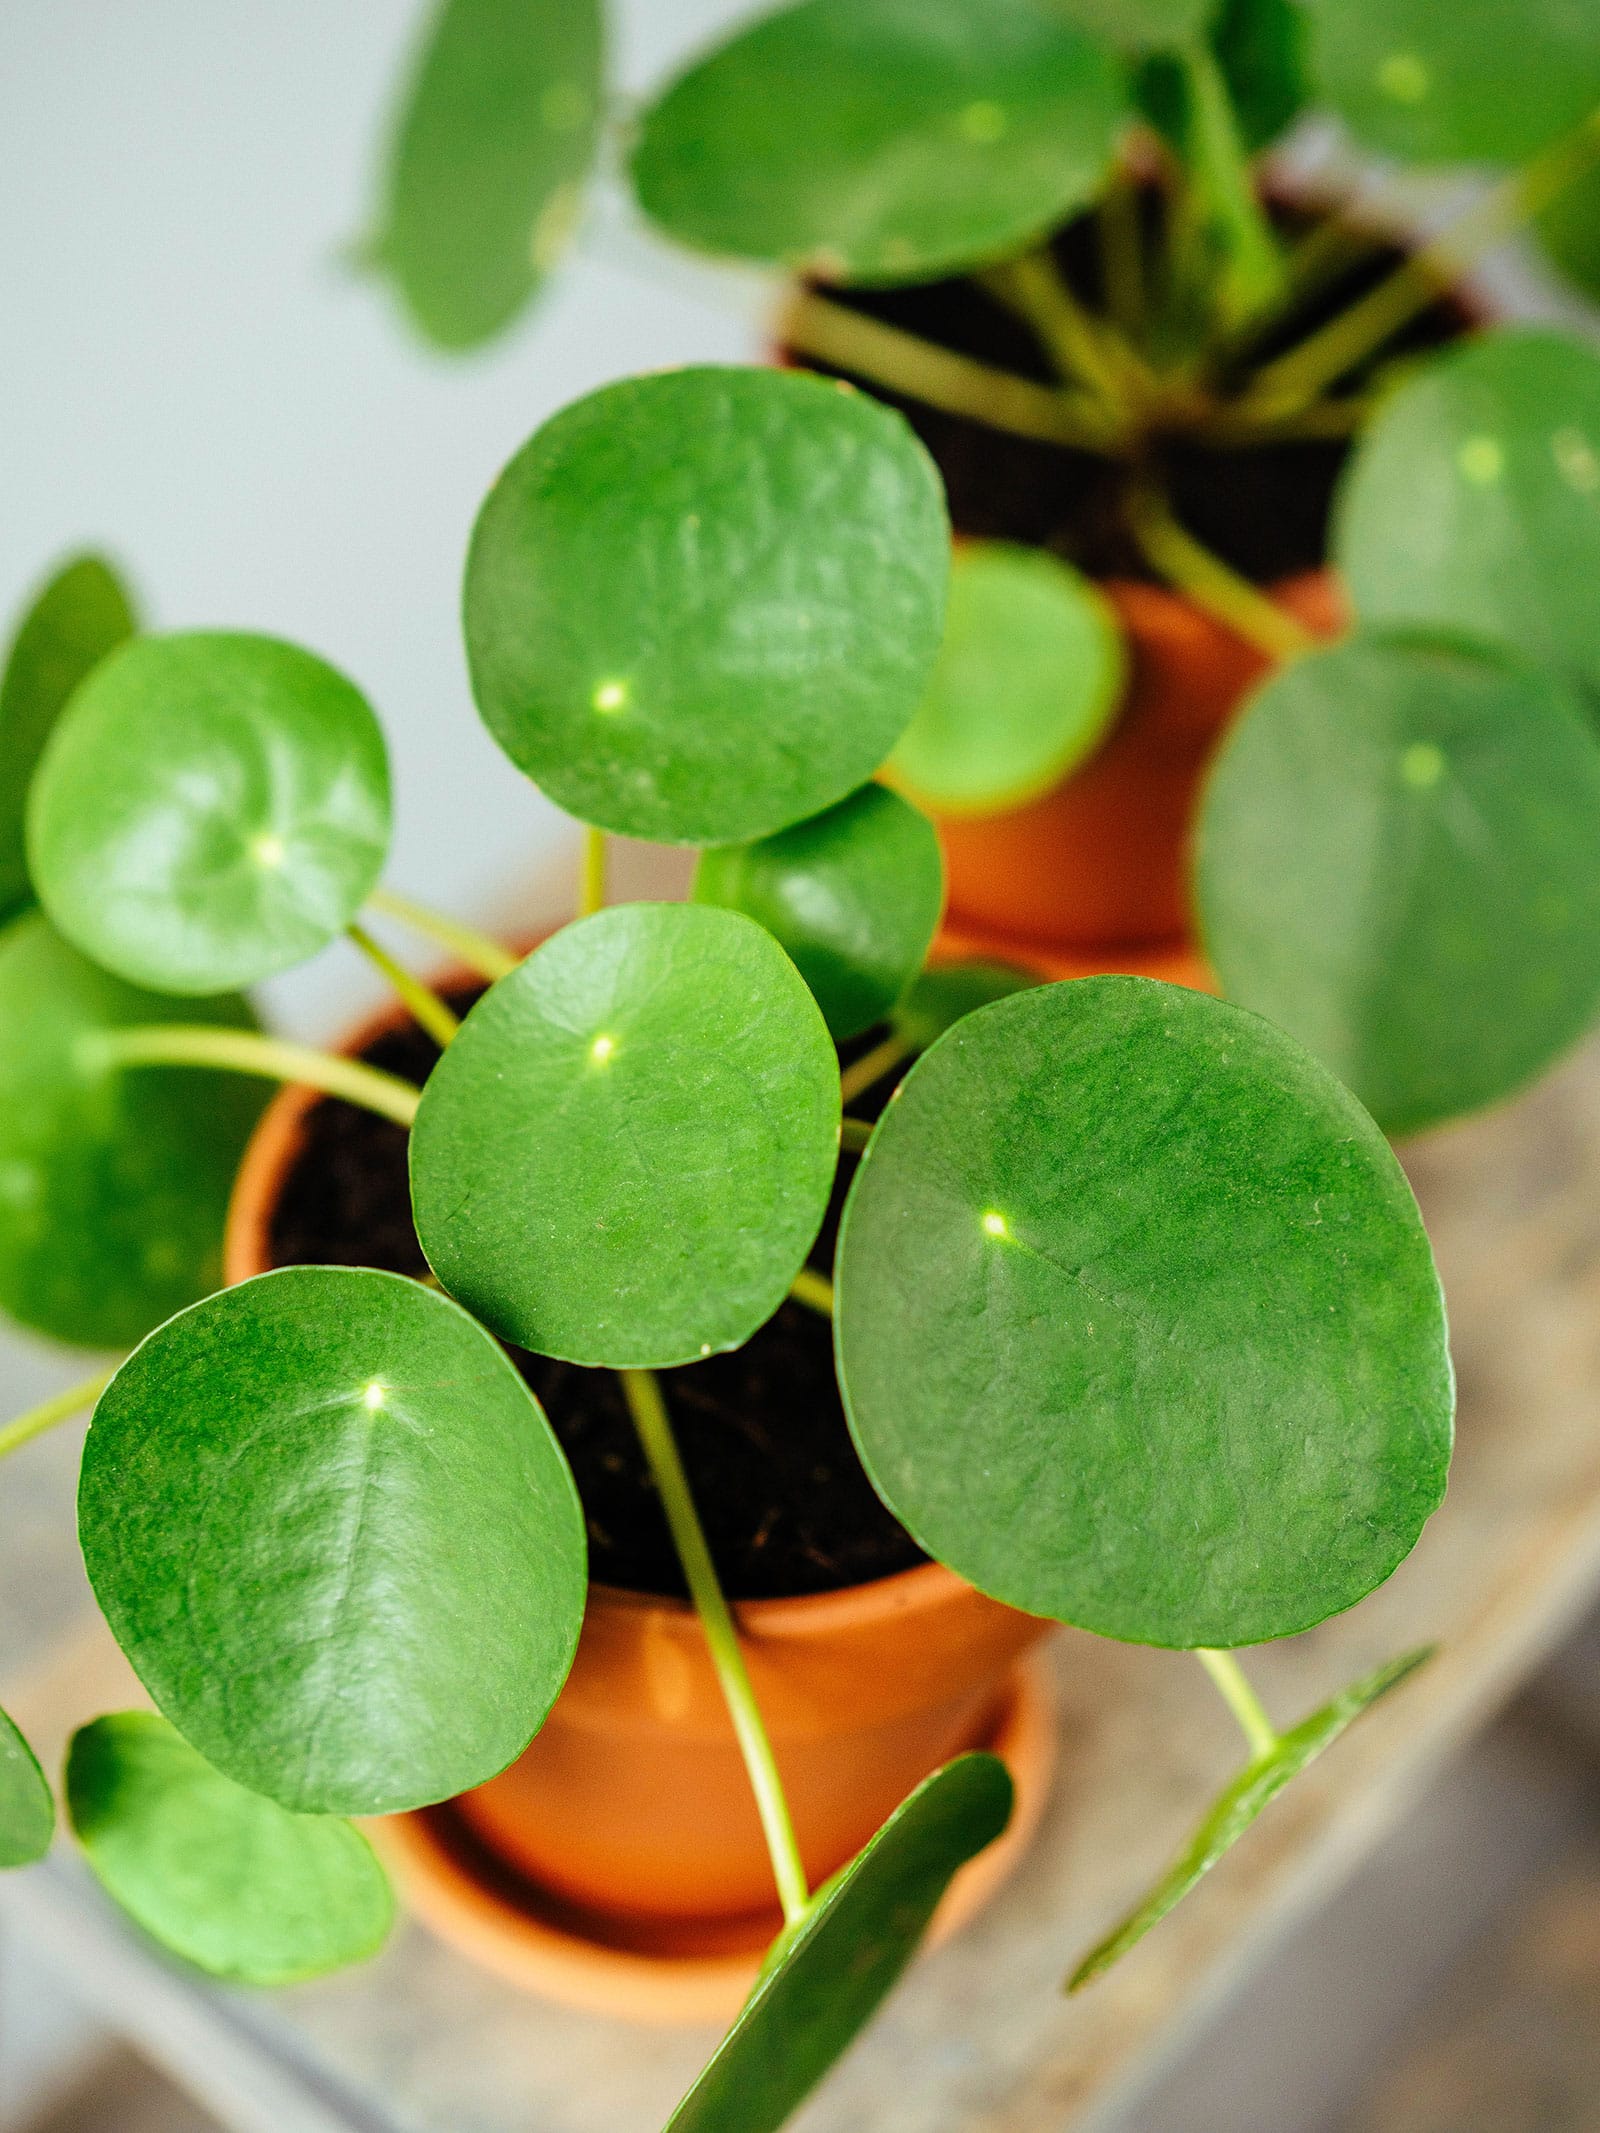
<point>1259,1731</point>
<point>814,1290</point>
<point>650,1419</point>
<point>244,1052</point>
<point>421,1001</point>
<point>60,1408</point>
<point>475,949</point>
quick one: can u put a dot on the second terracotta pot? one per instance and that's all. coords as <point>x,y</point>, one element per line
<point>1098,867</point>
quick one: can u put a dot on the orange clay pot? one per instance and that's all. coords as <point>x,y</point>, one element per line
<point>1094,873</point>
<point>619,1862</point>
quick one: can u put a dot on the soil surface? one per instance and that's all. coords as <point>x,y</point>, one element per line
<point>1264,509</point>
<point>785,1503</point>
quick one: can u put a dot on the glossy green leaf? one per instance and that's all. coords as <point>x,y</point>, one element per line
<point>702,605</point>
<point>83,613</point>
<point>211,808</point>
<point>27,1812</point>
<point>230,1881</point>
<point>484,182</point>
<point>1474,499</point>
<point>824,1980</point>
<point>853,895</point>
<point>1398,862</point>
<point>627,1152</point>
<point>114,1182</point>
<point>939,999</point>
<point>1259,47</point>
<point>1238,1805</point>
<point>1456,81</point>
<point>1137,1324</point>
<point>1026,682</point>
<point>332,1530</point>
<point>882,140</point>
<point>1569,230</point>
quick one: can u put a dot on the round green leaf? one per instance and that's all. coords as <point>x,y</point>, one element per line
<point>702,605</point>
<point>211,808</point>
<point>1261,48</point>
<point>1456,81</point>
<point>83,613</point>
<point>1026,682</point>
<point>824,1980</point>
<point>231,1882</point>
<point>1137,1323</point>
<point>882,140</point>
<point>939,999</point>
<point>1474,500</point>
<point>27,1812</point>
<point>332,1530</point>
<point>854,895</point>
<point>114,1182</point>
<point>1398,862</point>
<point>627,1152</point>
<point>495,136</point>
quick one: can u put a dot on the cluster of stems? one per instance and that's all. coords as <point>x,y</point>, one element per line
<point>1113,398</point>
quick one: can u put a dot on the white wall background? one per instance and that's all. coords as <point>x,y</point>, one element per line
<point>190,377</point>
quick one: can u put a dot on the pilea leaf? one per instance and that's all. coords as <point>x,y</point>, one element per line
<point>882,140</point>
<point>1024,687</point>
<point>938,999</point>
<point>494,138</point>
<point>114,1182</point>
<point>1238,1805</point>
<point>702,605</point>
<point>228,1880</point>
<point>332,1530</point>
<point>1137,1323</point>
<point>1489,81</point>
<point>853,895</point>
<point>824,1979</point>
<point>1473,502</point>
<point>27,1812</point>
<point>211,808</point>
<point>1261,49</point>
<point>627,1152</point>
<point>1397,862</point>
<point>83,613</point>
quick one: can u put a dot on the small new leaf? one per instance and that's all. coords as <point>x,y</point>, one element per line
<point>853,895</point>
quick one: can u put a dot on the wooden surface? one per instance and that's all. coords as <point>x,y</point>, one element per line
<point>1512,2044</point>
<point>979,2038</point>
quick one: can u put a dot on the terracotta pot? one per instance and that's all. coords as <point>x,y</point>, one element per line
<point>629,1823</point>
<point>1094,874</point>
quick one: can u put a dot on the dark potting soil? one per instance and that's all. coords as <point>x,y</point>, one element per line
<point>1265,508</point>
<point>783,1498</point>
